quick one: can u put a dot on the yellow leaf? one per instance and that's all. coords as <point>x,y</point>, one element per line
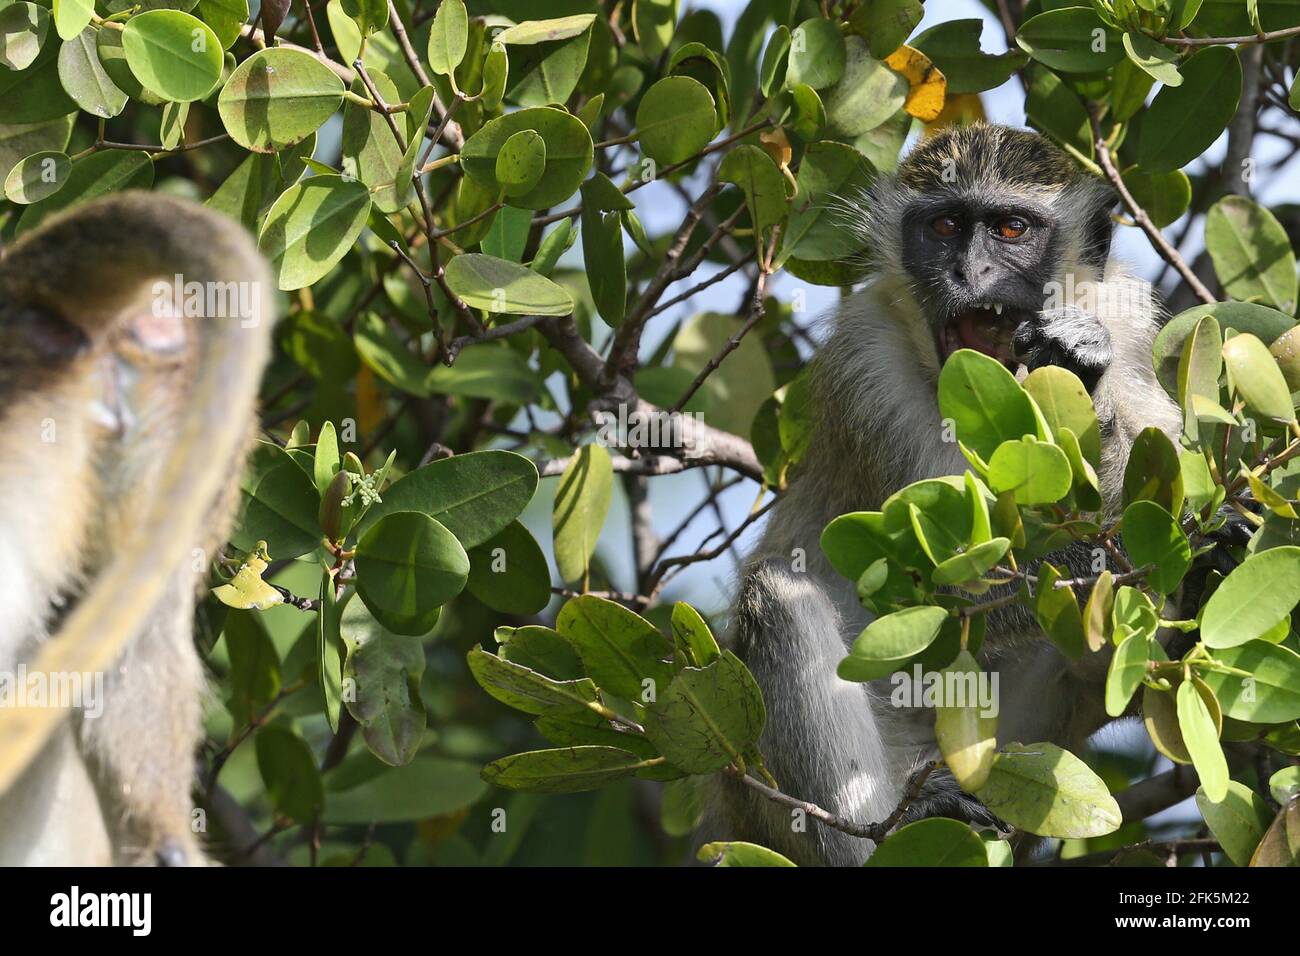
<point>246,589</point>
<point>927,86</point>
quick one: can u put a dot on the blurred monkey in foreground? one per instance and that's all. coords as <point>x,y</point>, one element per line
<point>133,333</point>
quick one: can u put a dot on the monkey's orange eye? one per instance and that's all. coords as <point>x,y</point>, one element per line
<point>945,226</point>
<point>1012,227</point>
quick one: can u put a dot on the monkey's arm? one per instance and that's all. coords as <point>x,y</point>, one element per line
<point>92,269</point>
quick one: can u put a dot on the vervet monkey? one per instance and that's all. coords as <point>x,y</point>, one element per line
<point>125,413</point>
<point>988,238</point>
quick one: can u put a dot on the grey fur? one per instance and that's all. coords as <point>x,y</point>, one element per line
<point>842,745</point>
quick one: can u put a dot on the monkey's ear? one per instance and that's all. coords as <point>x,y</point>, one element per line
<point>1098,229</point>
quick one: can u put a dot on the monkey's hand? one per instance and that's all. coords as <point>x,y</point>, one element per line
<point>1067,337</point>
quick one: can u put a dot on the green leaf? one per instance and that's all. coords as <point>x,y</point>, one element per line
<point>692,636</point>
<point>867,95</point>
<point>758,177</point>
<point>278,97</point>
<point>1164,196</point>
<point>521,162</point>
<point>970,564</point>
<point>775,60</point>
<point>707,717</point>
<point>425,788</point>
<point>1270,696</point>
<point>932,842</point>
<point>566,770</point>
<point>738,853</point>
<point>474,496</point>
<point>509,572</point>
<point>385,668</point>
<point>675,119</point>
<point>383,350</point>
<point>1258,593</point>
<point>568,154</point>
<point>1128,667</point>
<point>369,15</point>
<point>966,735</point>
<point>71,17</point>
<point>311,227</point>
<point>602,253</point>
<point>984,401</point>
<point>37,176</point>
<point>500,286</point>
<point>1238,819</point>
<point>23,27</point>
<point>1155,59</point>
<point>1056,110</point>
<point>1072,40</point>
<point>374,154</point>
<point>827,172</point>
<point>1284,785</point>
<point>1252,253</point>
<point>84,77</point>
<point>541,71</point>
<point>1065,403</point>
<point>1263,322</point>
<point>1281,843</point>
<point>528,690</point>
<point>954,47</point>
<point>35,95</point>
<point>173,54</point>
<point>408,566</point>
<point>448,37</point>
<point>817,54</point>
<point>581,504</point>
<point>887,23</point>
<point>289,771</point>
<point>500,374</point>
<point>1182,122</point>
<point>254,676</point>
<point>620,650</point>
<point>889,639</point>
<point>1255,376</point>
<point>653,22</point>
<point>1050,792</point>
<point>540,649</point>
<point>1037,473</point>
<point>1153,472</point>
<point>225,17</point>
<point>1153,536</point>
<point>279,503</point>
<point>1057,611</point>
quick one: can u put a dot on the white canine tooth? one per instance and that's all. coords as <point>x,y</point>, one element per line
<point>997,307</point>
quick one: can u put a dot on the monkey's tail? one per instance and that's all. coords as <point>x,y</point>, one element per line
<point>157,238</point>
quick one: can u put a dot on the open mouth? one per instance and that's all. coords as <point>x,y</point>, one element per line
<point>986,327</point>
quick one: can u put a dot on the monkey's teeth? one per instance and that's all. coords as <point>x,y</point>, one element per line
<point>997,307</point>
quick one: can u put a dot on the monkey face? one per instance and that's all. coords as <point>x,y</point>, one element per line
<point>981,269</point>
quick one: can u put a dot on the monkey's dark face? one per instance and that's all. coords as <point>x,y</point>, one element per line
<point>980,269</point>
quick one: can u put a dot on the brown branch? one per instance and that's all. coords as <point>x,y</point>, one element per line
<point>1233,41</point>
<point>1161,244</point>
<point>1150,796</point>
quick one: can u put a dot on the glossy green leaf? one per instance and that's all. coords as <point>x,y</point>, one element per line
<point>501,286</point>
<point>1253,598</point>
<point>568,154</point>
<point>1251,252</point>
<point>581,504</point>
<point>408,566</point>
<point>932,842</point>
<point>509,573</point>
<point>1182,122</point>
<point>707,717</point>
<point>817,54</point>
<point>620,650</point>
<point>173,54</point>
<point>675,119</point>
<point>1048,791</point>
<point>448,36</point>
<point>1154,537</point>
<point>311,227</point>
<point>278,97</point>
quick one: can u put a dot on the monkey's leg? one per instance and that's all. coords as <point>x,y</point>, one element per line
<point>821,742</point>
<point>140,749</point>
